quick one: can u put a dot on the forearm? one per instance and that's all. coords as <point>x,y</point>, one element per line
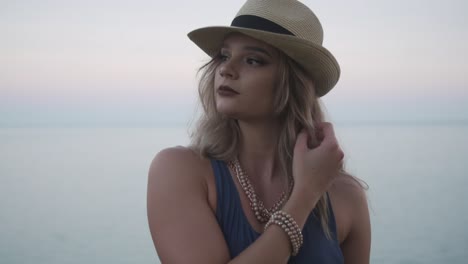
<point>274,245</point>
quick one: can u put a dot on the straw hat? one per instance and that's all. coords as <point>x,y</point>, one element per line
<point>287,25</point>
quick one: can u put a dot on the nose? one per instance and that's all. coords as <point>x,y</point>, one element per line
<point>227,70</point>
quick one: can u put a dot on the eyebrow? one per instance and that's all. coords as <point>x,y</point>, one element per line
<point>252,48</point>
<point>257,49</point>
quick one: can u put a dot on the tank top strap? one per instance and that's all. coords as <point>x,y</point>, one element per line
<point>331,219</point>
<point>234,224</point>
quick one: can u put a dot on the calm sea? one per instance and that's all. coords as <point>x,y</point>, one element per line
<point>78,195</point>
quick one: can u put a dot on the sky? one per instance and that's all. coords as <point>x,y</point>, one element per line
<point>130,63</point>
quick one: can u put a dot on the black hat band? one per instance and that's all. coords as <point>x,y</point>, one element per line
<point>259,23</point>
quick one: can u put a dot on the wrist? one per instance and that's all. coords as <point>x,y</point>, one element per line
<point>305,195</point>
<point>299,207</point>
<point>286,222</point>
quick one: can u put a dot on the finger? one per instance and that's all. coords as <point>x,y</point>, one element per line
<point>301,142</point>
<point>327,129</point>
<point>329,139</point>
<point>340,154</point>
<point>312,140</point>
<point>319,134</point>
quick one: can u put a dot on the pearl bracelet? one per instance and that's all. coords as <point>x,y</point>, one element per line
<point>290,227</point>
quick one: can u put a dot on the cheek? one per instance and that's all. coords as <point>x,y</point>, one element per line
<point>265,87</point>
<point>216,80</point>
<point>262,97</point>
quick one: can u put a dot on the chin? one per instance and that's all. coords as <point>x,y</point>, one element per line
<point>227,111</point>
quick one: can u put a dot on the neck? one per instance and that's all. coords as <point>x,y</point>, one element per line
<point>258,148</point>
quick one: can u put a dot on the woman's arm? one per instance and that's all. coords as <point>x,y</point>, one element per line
<point>356,246</point>
<point>351,212</point>
<point>183,225</point>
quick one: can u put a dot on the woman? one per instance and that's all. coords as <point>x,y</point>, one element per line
<point>263,180</point>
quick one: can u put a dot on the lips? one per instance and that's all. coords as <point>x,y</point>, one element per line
<point>225,88</point>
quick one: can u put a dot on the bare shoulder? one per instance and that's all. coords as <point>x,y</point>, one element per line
<point>349,201</point>
<point>350,189</point>
<point>178,164</point>
<point>178,158</point>
<point>179,211</point>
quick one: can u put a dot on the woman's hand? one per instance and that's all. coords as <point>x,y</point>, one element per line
<point>315,169</point>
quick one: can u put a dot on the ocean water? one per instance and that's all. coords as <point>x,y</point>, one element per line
<point>78,195</point>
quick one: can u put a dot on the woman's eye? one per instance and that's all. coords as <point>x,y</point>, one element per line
<point>254,62</point>
<point>223,57</point>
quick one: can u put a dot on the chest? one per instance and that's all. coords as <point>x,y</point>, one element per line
<point>240,228</point>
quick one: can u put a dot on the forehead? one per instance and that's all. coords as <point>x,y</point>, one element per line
<point>238,40</point>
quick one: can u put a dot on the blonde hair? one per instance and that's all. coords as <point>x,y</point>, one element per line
<point>296,106</point>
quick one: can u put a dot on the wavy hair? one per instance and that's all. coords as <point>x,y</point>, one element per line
<point>296,106</point>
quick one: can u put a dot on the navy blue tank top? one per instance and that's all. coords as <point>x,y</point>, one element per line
<point>239,234</point>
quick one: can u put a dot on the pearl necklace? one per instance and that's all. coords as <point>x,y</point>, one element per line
<point>261,213</point>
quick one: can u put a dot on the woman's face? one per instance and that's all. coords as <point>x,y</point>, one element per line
<point>245,78</point>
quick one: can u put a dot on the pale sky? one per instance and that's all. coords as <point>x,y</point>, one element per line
<point>130,62</point>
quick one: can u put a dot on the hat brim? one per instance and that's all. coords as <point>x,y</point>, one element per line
<point>316,60</point>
